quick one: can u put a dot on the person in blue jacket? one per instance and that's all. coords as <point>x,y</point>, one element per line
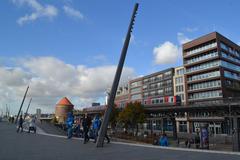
<point>163,141</point>
<point>96,126</point>
<point>69,123</point>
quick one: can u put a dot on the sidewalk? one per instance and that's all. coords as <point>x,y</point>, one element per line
<point>25,146</point>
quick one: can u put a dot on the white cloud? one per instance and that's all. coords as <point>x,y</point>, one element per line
<point>182,38</point>
<point>72,12</point>
<point>191,29</point>
<point>39,11</point>
<point>51,79</point>
<point>165,53</point>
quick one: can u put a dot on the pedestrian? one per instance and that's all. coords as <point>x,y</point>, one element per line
<point>20,124</point>
<point>163,141</point>
<point>96,126</point>
<point>12,119</point>
<point>78,128</point>
<point>85,128</point>
<point>69,122</point>
<point>197,140</point>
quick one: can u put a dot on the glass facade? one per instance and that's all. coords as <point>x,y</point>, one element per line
<point>230,49</point>
<point>135,90</point>
<point>168,90</point>
<point>205,95</point>
<point>228,56</point>
<point>136,96</point>
<point>167,74</point>
<point>230,66</point>
<point>205,85</point>
<point>180,72</point>
<point>178,80</point>
<point>232,75</point>
<point>203,66</point>
<point>204,76</point>
<point>136,84</point>
<point>201,48</point>
<point>202,57</point>
<point>179,88</point>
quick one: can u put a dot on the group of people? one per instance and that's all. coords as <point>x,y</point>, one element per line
<point>31,124</point>
<point>88,125</point>
<point>195,141</point>
<point>11,119</point>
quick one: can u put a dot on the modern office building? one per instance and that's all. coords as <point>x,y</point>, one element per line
<point>210,74</point>
<point>179,83</point>
<point>212,65</point>
<point>158,88</point>
<point>182,122</point>
<point>135,90</point>
<point>122,95</point>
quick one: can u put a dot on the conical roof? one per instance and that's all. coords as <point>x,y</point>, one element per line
<point>65,101</point>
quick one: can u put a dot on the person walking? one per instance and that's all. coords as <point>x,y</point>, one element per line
<point>197,140</point>
<point>20,124</point>
<point>96,127</point>
<point>85,128</point>
<point>70,121</point>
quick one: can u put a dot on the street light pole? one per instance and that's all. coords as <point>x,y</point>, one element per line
<point>230,115</point>
<point>110,105</point>
<point>27,109</point>
<point>20,109</point>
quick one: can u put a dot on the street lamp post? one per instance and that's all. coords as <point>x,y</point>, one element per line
<point>103,129</point>
<point>229,115</point>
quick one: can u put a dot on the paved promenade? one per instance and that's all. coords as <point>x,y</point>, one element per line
<point>42,146</point>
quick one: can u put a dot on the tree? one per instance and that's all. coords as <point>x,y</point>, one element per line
<point>113,116</point>
<point>132,115</point>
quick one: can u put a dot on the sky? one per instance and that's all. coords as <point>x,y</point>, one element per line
<point>72,47</point>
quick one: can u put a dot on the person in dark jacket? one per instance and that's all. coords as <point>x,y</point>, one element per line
<point>20,124</point>
<point>85,126</point>
<point>197,140</point>
<point>69,122</point>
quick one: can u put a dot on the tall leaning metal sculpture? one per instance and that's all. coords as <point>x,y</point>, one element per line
<point>21,105</point>
<point>103,129</point>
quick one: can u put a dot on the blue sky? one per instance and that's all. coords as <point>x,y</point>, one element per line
<point>90,33</point>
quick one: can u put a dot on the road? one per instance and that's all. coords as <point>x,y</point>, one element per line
<point>25,146</point>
